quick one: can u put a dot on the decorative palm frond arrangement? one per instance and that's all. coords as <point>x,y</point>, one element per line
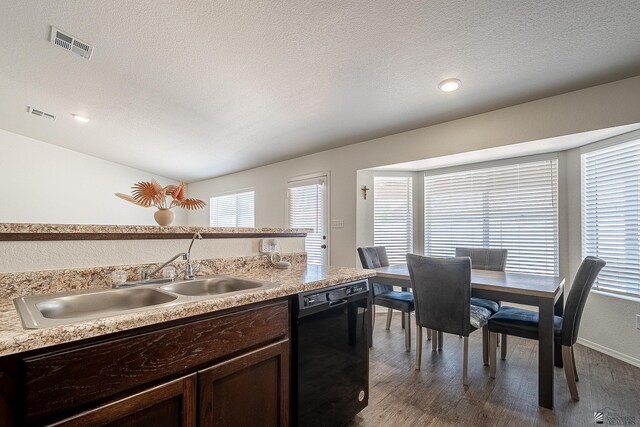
<point>151,193</point>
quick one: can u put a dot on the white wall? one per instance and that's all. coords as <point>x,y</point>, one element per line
<point>44,183</point>
<point>599,107</point>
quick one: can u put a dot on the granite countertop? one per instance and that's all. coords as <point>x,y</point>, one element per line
<point>299,278</point>
<point>45,232</point>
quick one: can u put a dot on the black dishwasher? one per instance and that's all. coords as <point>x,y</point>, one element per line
<point>330,355</point>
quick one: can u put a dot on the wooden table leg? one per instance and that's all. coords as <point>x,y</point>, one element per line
<point>545,353</point>
<point>558,310</point>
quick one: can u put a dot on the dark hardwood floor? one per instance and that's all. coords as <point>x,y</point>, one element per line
<point>401,396</point>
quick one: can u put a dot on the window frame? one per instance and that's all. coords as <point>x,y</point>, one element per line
<point>502,163</point>
<point>416,211</point>
<point>233,193</point>
<point>603,145</point>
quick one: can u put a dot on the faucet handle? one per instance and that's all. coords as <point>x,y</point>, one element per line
<point>145,273</point>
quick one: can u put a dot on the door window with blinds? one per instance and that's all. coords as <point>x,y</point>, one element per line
<point>510,205</point>
<point>611,214</point>
<point>233,210</point>
<point>393,216</point>
<point>307,208</point>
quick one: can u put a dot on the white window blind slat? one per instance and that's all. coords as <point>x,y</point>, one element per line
<point>306,210</point>
<point>611,214</point>
<point>233,210</point>
<point>512,206</point>
<point>393,216</point>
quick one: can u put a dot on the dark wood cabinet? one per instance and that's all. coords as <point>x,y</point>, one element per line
<point>172,404</point>
<point>249,390</point>
<point>229,368</point>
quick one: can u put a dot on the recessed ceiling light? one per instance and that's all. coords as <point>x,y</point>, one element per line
<point>449,85</point>
<point>81,119</point>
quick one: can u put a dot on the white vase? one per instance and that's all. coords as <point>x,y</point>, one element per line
<point>164,217</point>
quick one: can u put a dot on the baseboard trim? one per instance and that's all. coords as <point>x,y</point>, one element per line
<point>615,354</point>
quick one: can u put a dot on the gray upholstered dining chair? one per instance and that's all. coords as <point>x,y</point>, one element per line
<point>524,323</point>
<point>442,293</point>
<point>494,260</point>
<point>385,295</point>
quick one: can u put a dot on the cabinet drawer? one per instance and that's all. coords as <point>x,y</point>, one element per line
<point>57,382</point>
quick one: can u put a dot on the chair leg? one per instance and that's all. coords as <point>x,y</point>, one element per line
<point>407,331</point>
<point>418,347</point>
<point>440,339</point>
<point>569,373</point>
<point>434,340</point>
<point>493,339</point>
<point>503,348</point>
<point>389,313</point>
<point>573,361</point>
<point>485,345</point>
<point>465,362</point>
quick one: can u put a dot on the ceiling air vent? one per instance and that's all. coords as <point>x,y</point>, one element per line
<point>41,113</point>
<point>69,42</point>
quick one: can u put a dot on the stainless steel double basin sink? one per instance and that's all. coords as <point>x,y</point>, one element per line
<point>42,311</point>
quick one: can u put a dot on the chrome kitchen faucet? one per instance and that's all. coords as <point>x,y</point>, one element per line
<point>191,269</point>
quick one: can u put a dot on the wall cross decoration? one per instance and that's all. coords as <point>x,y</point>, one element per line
<point>364,191</point>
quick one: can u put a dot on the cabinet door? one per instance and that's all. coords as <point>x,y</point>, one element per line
<point>171,404</point>
<point>249,390</point>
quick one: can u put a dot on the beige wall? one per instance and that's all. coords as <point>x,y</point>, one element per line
<point>44,183</point>
<point>604,106</point>
<point>72,254</point>
<point>608,321</point>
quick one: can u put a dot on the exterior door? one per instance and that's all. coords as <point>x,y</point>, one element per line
<point>307,207</point>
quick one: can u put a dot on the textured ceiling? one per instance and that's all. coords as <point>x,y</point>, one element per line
<point>196,89</point>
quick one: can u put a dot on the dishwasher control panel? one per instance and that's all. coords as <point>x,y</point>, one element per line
<point>341,292</point>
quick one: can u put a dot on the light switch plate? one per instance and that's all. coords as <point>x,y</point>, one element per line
<point>337,223</point>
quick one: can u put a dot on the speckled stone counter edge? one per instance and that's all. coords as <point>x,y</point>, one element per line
<point>97,228</point>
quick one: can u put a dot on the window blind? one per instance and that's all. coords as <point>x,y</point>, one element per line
<point>233,210</point>
<point>306,210</point>
<point>393,216</point>
<point>611,215</point>
<point>511,205</point>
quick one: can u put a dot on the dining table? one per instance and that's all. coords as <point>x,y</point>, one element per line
<point>544,292</point>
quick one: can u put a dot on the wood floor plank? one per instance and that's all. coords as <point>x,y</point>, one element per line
<point>434,396</point>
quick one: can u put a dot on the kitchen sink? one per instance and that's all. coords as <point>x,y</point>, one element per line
<point>43,311</point>
<point>73,306</point>
<point>214,286</point>
<point>50,310</point>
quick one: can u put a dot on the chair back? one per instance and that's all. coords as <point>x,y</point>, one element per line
<point>485,259</point>
<point>582,283</point>
<point>375,257</point>
<point>442,292</point>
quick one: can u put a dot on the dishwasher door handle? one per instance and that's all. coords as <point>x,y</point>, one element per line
<point>336,303</point>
